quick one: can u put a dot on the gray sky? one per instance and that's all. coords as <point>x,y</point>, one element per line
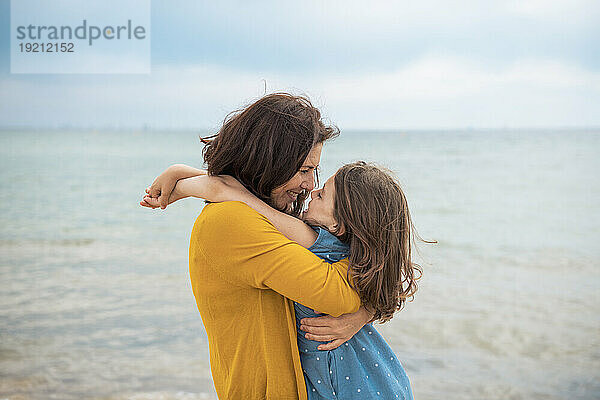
<point>379,65</point>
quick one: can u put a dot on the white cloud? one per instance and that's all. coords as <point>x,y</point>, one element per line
<point>451,92</point>
<point>570,11</point>
<point>445,77</point>
<point>433,91</point>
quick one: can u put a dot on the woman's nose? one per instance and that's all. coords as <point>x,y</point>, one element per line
<point>308,184</point>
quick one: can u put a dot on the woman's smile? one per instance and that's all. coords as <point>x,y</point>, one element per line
<point>293,195</point>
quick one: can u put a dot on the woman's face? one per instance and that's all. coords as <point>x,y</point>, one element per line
<point>283,196</point>
<point>320,207</point>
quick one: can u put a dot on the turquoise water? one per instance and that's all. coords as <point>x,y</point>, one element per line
<point>95,299</point>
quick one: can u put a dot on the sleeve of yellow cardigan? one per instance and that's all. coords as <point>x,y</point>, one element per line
<point>243,247</point>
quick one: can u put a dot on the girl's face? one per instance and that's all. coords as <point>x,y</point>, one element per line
<point>320,207</point>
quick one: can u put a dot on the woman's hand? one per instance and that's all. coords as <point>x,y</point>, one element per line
<point>334,330</point>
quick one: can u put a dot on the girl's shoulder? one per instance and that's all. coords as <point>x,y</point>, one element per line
<point>328,243</point>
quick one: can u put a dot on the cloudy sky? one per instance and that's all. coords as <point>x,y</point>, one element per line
<point>376,65</point>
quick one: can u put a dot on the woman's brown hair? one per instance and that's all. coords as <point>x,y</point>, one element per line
<point>373,218</point>
<point>265,144</point>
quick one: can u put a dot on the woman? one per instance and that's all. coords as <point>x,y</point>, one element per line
<point>245,273</point>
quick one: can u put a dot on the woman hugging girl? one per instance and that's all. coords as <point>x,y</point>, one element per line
<point>360,213</point>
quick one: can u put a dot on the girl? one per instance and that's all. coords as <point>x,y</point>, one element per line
<point>360,213</point>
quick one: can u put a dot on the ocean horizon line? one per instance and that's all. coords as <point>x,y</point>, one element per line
<point>209,131</point>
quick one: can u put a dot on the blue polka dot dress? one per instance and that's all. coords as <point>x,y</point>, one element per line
<point>364,367</point>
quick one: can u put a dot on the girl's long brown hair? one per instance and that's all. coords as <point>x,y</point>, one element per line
<point>373,218</point>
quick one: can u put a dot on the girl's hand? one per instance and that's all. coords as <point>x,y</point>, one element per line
<point>152,202</point>
<point>163,185</point>
<point>211,188</point>
<point>148,201</point>
<point>334,330</point>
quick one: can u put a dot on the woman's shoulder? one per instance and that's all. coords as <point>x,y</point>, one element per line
<point>228,207</point>
<point>235,209</point>
<point>229,215</point>
<point>232,224</point>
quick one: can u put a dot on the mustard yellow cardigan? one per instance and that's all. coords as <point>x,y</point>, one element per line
<point>245,274</point>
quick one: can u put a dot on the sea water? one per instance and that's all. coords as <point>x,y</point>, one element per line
<point>95,299</point>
